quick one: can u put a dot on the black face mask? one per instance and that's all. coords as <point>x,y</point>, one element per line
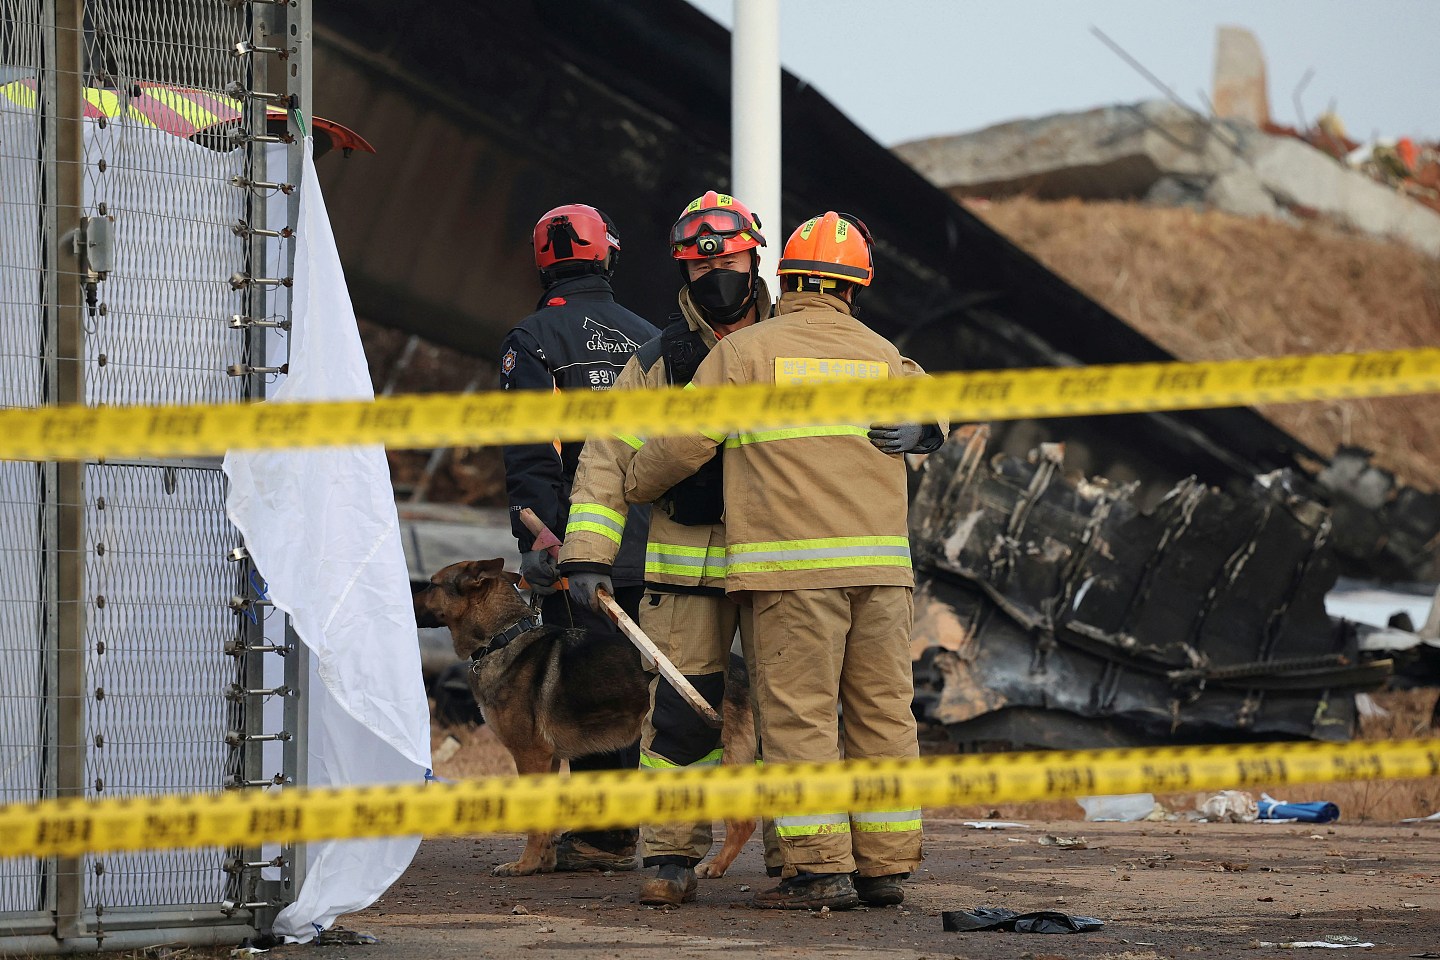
<point>723,295</point>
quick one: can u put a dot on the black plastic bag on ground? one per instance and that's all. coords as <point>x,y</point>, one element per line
<point>998,918</point>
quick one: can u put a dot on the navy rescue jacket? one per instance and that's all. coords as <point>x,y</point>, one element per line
<point>578,338</point>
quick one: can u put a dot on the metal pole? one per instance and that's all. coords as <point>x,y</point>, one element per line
<point>755,120</point>
<point>72,690</point>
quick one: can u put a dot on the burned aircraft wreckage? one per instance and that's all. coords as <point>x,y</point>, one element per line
<point>1103,621</point>
<point>1199,618</point>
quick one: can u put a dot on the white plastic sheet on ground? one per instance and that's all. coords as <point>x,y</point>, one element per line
<point>322,527</point>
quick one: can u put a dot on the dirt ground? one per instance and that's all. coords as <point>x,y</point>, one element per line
<point>1163,890</point>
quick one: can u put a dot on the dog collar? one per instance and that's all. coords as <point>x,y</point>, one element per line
<point>501,639</point>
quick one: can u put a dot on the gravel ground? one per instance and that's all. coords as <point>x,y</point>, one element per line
<point>1163,890</point>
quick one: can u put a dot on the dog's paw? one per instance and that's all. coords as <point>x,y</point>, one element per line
<point>520,869</point>
<point>709,870</point>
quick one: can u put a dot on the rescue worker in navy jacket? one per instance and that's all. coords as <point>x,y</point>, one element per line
<point>578,338</point>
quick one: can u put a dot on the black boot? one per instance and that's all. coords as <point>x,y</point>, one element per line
<point>881,891</point>
<point>671,886</point>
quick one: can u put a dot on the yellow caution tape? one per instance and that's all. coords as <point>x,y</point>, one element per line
<point>478,419</point>
<point>600,800</point>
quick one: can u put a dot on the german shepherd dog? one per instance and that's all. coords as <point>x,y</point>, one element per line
<point>551,693</point>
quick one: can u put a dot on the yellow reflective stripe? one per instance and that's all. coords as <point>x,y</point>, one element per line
<point>578,526</point>
<point>106,101</point>
<point>20,94</point>
<point>819,553</point>
<point>797,433</point>
<point>615,516</point>
<point>819,563</point>
<point>819,543</point>
<point>595,518</point>
<point>889,821</point>
<point>682,561</point>
<point>812,826</point>
<point>635,443</point>
<point>192,113</point>
<point>652,762</point>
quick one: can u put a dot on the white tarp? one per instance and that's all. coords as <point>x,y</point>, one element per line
<point>322,527</point>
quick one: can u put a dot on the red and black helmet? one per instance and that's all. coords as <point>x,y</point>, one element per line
<point>575,239</point>
<point>712,225</point>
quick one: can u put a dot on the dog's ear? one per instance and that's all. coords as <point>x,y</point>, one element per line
<point>514,578</point>
<point>478,573</point>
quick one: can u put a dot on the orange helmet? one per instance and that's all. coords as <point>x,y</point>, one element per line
<point>713,225</point>
<point>834,245</point>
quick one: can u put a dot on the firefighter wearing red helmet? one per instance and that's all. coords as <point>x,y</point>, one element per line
<point>578,338</point>
<point>817,543</point>
<point>686,610</point>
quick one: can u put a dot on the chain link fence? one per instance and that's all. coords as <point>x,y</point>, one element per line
<point>137,653</point>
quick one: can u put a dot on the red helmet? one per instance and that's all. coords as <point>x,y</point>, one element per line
<point>578,234</point>
<point>713,225</point>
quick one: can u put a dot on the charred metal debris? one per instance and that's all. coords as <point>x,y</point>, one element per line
<point>1052,611</point>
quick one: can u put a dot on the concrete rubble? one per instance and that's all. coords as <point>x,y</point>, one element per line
<point>1162,152</point>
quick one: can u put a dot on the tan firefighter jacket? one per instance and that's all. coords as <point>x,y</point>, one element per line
<point>687,558</point>
<point>805,507</point>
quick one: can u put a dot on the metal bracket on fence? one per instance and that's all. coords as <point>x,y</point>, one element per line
<point>245,369</point>
<point>239,281</point>
<point>235,864</point>
<point>244,182</point>
<point>238,322</point>
<point>239,783</point>
<point>236,737</point>
<point>232,907</point>
<point>247,49</point>
<point>242,604</point>
<point>239,553</point>
<point>237,692</point>
<point>242,228</point>
<point>234,648</point>
<point>238,138</point>
<point>236,90</point>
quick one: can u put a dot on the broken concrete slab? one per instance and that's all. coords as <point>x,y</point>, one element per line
<point>1163,153</point>
<point>1241,192</point>
<point>1299,176</point>
<point>1113,152</point>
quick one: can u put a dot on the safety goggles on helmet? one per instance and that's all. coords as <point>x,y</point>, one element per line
<point>710,228</point>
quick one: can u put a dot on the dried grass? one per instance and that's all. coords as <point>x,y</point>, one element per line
<point>1409,712</point>
<point>1211,286</point>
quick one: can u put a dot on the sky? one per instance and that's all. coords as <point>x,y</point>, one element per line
<point>906,69</point>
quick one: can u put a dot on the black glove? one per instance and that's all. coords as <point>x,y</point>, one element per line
<point>584,585</point>
<point>539,570</point>
<point>899,438</point>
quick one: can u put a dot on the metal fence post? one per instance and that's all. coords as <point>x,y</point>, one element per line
<point>66,103</point>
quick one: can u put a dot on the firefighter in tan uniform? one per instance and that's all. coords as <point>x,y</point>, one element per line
<point>817,543</point>
<point>685,609</point>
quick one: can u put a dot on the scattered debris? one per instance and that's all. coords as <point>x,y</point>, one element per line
<point>519,911</point>
<point>1229,806</point>
<point>447,749</point>
<point>998,918</point>
<point>1313,812</point>
<point>342,937</point>
<point>1064,843</point>
<point>1053,612</point>
<point>1123,808</point>
<point>1331,942</point>
<point>1430,819</point>
<point>993,825</point>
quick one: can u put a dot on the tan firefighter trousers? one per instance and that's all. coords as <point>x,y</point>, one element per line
<point>846,647</point>
<point>696,632</point>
